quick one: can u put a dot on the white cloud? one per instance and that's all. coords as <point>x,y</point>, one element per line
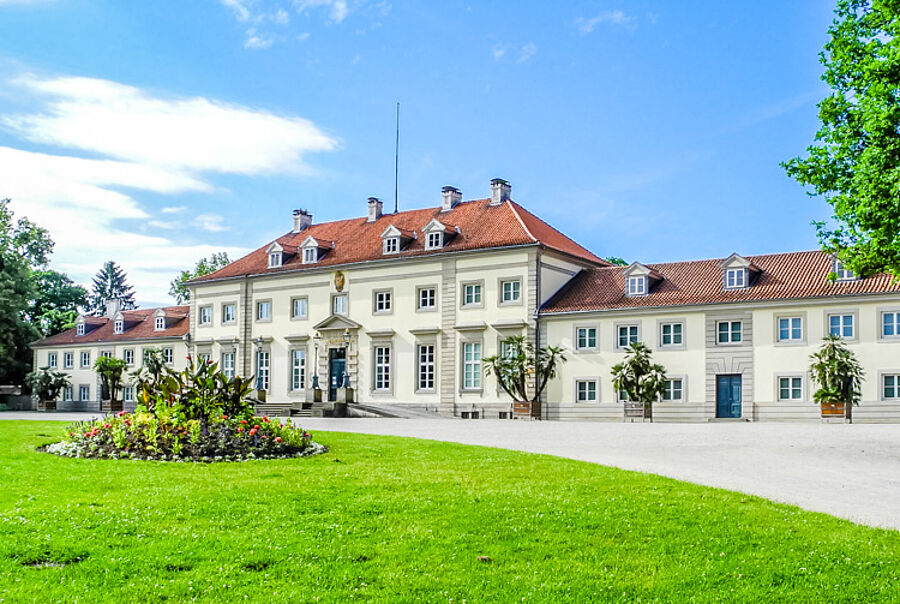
<point>241,12</point>
<point>196,134</point>
<point>259,41</point>
<point>210,222</point>
<point>174,209</point>
<point>337,9</point>
<point>611,17</point>
<point>498,51</point>
<point>526,52</point>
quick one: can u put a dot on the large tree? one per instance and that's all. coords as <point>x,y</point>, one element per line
<point>54,305</point>
<point>110,283</point>
<point>204,266</point>
<point>854,162</point>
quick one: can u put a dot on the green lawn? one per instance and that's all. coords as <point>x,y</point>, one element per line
<point>406,520</point>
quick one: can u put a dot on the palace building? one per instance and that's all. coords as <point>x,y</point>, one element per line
<point>400,310</point>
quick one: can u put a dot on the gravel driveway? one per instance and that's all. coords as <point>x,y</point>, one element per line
<point>850,471</point>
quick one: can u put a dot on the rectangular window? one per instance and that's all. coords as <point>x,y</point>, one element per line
<point>471,365</point>
<point>637,285</point>
<point>435,240</point>
<point>263,310</point>
<point>382,368</point>
<point>118,326</point>
<point>84,393</point>
<point>204,357</point>
<point>51,360</point>
<point>890,386</point>
<point>128,356</point>
<point>67,360</point>
<point>840,325</point>
<point>274,259</point>
<point>228,364</point>
<point>509,349</point>
<point>262,370</point>
<point>790,329</point>
<point>168,357</point>
<point>160,323</point>
<point>85,359</point>
<point>674,390</point>
<point>735,278</point>
<point>68,393</point>
<point>671,334</point>
<point>427,298</point>
<point>128,394</point>
<point>106,354</point>
<point>382,302</point>
<point>472,294</point>
<point>730,332</point>
<point>890,324</point>
<point>391,245</point>
<point>586,337</point>
<point>790,388</point>
<point>79,329</point>
<point>425,379</point>
<point>628,335</point>
<point>310,255</point>
<point>339,304</point>
<point>228,313</point>
<point>299,308</point>
<point>298,369</point>
<point>841,273</point>
<point>586,391</point>
<point>206,315</point>
<point>510,291</point>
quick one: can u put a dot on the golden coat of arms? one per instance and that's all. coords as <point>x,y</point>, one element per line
<point>339,281</point>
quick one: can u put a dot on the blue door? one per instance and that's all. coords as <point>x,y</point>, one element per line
<point>337,365</point>
<point>728,396</point>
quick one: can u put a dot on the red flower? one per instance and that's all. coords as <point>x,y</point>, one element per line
<point>243,421</point>
<point>106,425</point>
<point>306,435</point>
<point>121,413</point>
<point>224,416</point>
<point>253,432</point>
<point>256,427</point>
<point>265,419</point>
<point>278,439</point>
<point>240,429</point>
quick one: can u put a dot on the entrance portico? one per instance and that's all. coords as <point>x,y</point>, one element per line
<point>336,359</point>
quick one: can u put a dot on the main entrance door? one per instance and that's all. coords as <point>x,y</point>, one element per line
<point>337,364</point>
<point>728,396</point>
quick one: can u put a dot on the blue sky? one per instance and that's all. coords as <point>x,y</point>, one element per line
<point>154,133</point>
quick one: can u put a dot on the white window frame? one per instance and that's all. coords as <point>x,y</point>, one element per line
<point>382,302</point>
<point>68,394</point>
<point>471,367</point>
<point>228,367</point>
<point>275,259</point>
<point>128,356</point>
<point>84,392</point>
<point>205,321</point>
<point>260,305</point>
<point>670,389</point>
<point>303,301</point>
<point>79,329</point>
<point>672,335</point>
<point>730,341</point>
<point>514,290</point>
<point>637,285</point>
<point>310,255</point>
<point>476,289</point>
<point>263,368</point>
<point>390,245</point>
<point>426,366</point>
<point>159,324</point>
<point>791,388</point>
<point>736,278</point>
<point>118,326</point>
<point>298,369</point>
<point>790,328</point>
<point>882,386</point>
<point>842,324</point>
<point>587,391</point>
<point>631,337</point>
<point>68,360</point>
<point>128,394</point>
<point>334,305</point>
<point>382,354</point>
<point>587,337</point>
<point>85,359</point>
<point>432,297</point>
<point>896,324</point>
<point>225,307</point>
<point>434,240</point>
<point>841,273</point>
<point>51,360</point>
<point>168,355</point>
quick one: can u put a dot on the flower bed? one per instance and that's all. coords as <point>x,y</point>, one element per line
<point>163,437</point>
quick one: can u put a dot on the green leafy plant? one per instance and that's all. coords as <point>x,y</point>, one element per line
<point>837,373</point>
<point>47,383</point>
<point>111,371</point>
<point>642,380</point>
<point>524,371</point>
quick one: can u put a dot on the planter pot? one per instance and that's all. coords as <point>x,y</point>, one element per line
<point>638,410</point>
<point>835,410</point>
<point>47,405</point>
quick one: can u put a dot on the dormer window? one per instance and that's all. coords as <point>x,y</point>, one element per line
<point>637,285</point>
<point>841,272</point>
<point>160,323</point>
<point>79,329</point>
<point>735,278</point>
<point>118,326</point>
<point>274,259</point>
<point>435,241</point>
<point>391,245</point>
<point>310,255</point>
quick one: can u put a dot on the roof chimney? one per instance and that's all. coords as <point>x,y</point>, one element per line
<point>499,191</point>
<point>450,196</point>
<point>375,209</point>
<point>302,220</point>
<point>113,306</point>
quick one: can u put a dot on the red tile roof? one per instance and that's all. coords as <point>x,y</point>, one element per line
<point>782,277</point>
<point>139,325</point>
<point>480,226</point>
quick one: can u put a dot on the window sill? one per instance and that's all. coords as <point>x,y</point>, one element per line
<point>664,347</point>
<point>789,343</point>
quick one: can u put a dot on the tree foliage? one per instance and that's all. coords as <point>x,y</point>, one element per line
<point>204,266</point>
<point>111,371</point>
<point>54,305</point>
<point>638,376</point>
<point>524,371</point>
<point>616,261</point>
<point>854,162</point>
<point>47,383</point>
<point>110,283</point>
<point>836,372</point>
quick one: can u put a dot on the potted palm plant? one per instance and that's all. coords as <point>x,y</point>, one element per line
<point>46,384</point>
<point>524,371</point>
<point>838,375</point>
<point>111,371</point>
<point>640,380</point>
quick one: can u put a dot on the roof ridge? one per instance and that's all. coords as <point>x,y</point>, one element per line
<point>512,206</point>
